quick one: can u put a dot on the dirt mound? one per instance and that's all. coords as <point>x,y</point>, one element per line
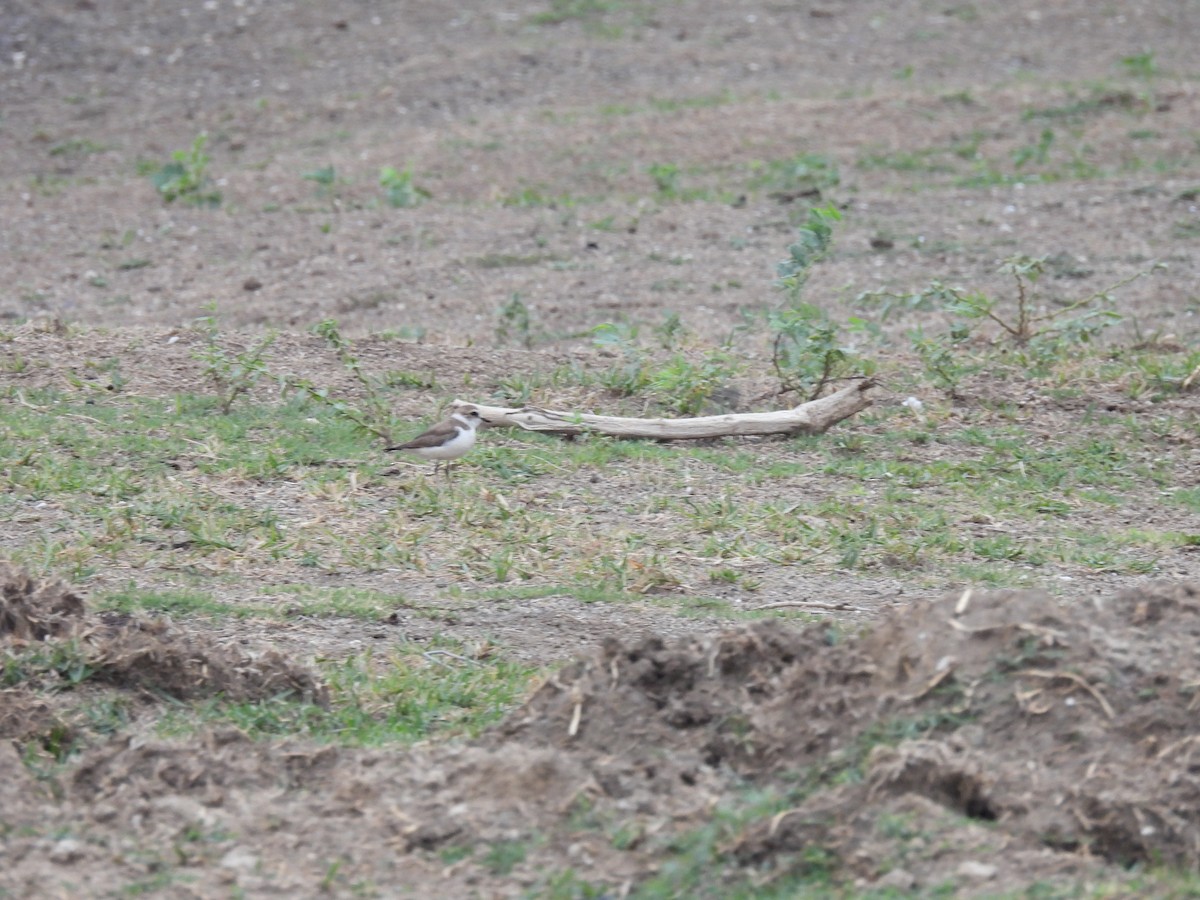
<point>51,642</point>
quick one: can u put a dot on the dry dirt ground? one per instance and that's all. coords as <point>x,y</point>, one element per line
<point>606,161</point>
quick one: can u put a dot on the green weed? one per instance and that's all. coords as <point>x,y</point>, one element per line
<point>1037,333</point>
<point>76,147</point>
<point>411,693</point>
<point>325,178</point>
<point>807,352</point>
<point>687,386</point>
<point>400,189</point>
<point>590,13</point>
<point>1072,322</point>
<point>186,177</point>
<point>503,856</point>
<point>231,374</point>
<point>1098,100</point>
<point>1140,65</point>
<point>805,175</point>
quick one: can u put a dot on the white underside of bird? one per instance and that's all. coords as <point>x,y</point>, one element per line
<point>455,447</point>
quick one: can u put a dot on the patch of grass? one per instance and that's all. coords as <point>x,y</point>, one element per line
<point>1187,229</point>
<point>539,195</point>
<point>346,603</point>
<point>76,147</point>
<point>181,602</point>
<point>504,856</point>
<point>807,174</point>
<point>567,885</point>
<point>512,260</point>
<point>920,161</point>
<point>592,14</point>
<point>704,101</point>
<point>101,478</point>
<point>699,864</point>
<point>1140,65</point>
<point>325,178</point>
<point>1189,498</point>
<point>410,693</point>
<point>1099,99</point>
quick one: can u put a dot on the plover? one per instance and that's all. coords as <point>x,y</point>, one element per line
<point>447,440</point>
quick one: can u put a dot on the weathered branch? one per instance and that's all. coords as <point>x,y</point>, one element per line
<point>813,417</point>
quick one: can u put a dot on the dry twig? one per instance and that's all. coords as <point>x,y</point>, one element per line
<point>1074,679</point>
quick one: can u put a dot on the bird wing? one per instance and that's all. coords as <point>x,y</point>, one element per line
<point>434,437</point>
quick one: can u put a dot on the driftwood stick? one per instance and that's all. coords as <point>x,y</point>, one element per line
<point>813,417</point>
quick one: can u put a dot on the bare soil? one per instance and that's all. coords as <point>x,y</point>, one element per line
<point>989,741</point>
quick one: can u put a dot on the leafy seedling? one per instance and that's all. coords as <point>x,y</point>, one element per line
<point>231,373</point>
<point>400,189</point>
<point>185,177</point>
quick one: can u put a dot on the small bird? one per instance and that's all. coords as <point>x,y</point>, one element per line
<point>447,440</point>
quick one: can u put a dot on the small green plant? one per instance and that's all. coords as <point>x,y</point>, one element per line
<point>666,179</point>
<point>58,664</point>
<point>400,189</point>
<point>232,374</point>
<point>807,351</point>
<point>670,332</point>
<point>939,355</point>
<point>810,247</point>
<point>1140,65</point>
<point>185,177</point>
<point>503,856</point>
<point>1035,153</point>
<point>1074,321</point>
<point>687,385</point>
<point>330,879</point>
<point>799,176</point>
<point>590,13</point>
<point>325,178</point>
<point>683,384</point>
<point>1040,332</point>
<point>630,376</point>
